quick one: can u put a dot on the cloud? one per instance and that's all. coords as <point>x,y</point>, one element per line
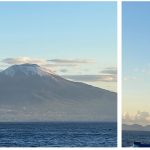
<point>141,117</point>
<point>145,69</point>
<point>110,70</point>
<point>63,70</point>
<point>60,65</point>
<point>72,61</point>
<point>47,63</point>
<point>41,62</point>
<point>91,78</point>
<point>55,65</point>
<point>22,60</point>
<point>64,65</point>
<point>129,78</point>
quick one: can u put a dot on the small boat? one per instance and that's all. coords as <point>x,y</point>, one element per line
<point>139,144</point>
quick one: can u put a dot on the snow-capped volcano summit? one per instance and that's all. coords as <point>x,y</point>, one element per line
<point>29,92</point>
<point>27,69</point>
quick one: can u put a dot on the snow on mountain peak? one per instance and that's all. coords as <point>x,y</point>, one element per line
<point>27,69</point>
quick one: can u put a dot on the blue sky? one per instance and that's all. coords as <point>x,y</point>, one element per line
<point>136,57</point>
<point>61,30</point>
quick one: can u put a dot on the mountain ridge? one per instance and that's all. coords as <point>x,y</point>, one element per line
<point>135,127</point>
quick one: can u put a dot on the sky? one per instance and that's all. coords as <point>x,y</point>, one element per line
<point>136,62</point>
<point>74,39</point>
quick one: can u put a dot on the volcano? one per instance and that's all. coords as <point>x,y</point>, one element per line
<point>29,92</point>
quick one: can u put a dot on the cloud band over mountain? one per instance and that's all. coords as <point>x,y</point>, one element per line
<point>73,69</point>
<point>92,78</point>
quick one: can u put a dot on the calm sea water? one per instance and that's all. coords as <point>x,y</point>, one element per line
<point>58,134</point>
<point>138,136</point>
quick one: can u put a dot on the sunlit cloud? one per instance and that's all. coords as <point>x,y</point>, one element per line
<point>91,78</point>
<point>141,118</point>
<point>23,60</point>
<point>47,63</point>
<point>42,62</point>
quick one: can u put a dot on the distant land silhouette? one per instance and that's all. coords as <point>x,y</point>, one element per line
<point>135,127</point>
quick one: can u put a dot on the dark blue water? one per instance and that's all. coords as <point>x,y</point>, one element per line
<point>58,134</point>
<point>128,137</point>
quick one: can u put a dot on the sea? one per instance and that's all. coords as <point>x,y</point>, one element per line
<point>58,134</point>
<point>129,137</point>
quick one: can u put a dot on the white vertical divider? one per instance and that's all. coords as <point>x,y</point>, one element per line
<point>119,71</point>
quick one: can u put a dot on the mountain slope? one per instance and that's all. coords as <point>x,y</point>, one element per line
<point>29,92</point>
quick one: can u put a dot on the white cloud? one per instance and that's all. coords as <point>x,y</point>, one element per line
<point>141,117</point>
<point>145,69</point>
<point>129,78</point>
